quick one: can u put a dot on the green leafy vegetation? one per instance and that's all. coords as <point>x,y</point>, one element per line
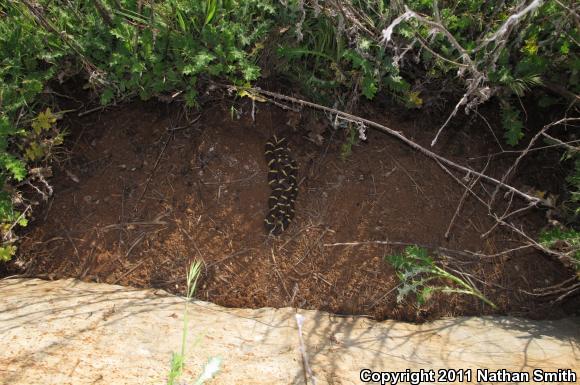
<point>27,61</point>
<point>420,275</point>
<point>563,240</point>
<point>512,123</point>
<point>493,57</point>
<point>332,65</point>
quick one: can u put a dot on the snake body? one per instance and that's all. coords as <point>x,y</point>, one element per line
<point>282,173</point>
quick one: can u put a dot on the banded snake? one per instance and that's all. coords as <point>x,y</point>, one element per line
<point>282,178</point>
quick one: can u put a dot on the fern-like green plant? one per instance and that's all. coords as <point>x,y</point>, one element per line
<point>520,86</point>
<point>418,274</point>
<point>517,85</point>
<point>510,116</point>
<point>512,124</point>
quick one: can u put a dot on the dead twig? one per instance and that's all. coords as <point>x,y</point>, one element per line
<point>279,274</point>
<point>228,257</point>
<point>505,152</point>
<point>139,239</point>
<point>395,243</point>
<point>462,200</point>
<point>504,217</point>
<point>566,145</point>
<point>564,258</point>
<point>562,290</point>
<point>440,250</point>
<point>308,375</point>
<point>417,187</point>
<point>382,297</point>
<point>551,290</point>
<point>462,184</point>
<point>282,106</point>
<point>73,245</point>
<point>512,168</point>
<point>568,293</point>
<point>113,104</point>
<point>232,181</point>
<point>189,124</point>
<point>138,223</point>
<point>490,129</point>
<point>128,272</point>
<point>153,171</point>
<point>8,233</point>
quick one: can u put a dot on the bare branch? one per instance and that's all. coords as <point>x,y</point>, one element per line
<point>566,145</point>
<point>571,11</point>
<point>512,21</point>
<point>462,200</point>
<point>409,14</point>
<point>439,250</point>
<point>8,233</point>
<point>530,144</point>
<point>564,258</point>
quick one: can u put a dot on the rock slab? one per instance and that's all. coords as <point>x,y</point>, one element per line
<point>71,332</point>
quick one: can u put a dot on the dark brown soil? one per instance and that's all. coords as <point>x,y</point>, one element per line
<point>152,196</point>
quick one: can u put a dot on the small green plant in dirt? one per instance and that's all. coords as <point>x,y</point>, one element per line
<point>566,241</point>
<point>178,359</point>
<point>420,275</point>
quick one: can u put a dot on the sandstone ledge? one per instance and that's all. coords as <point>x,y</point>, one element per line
<point>71,332</point>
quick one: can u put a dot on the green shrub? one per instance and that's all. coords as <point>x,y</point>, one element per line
<point>149,49</point>
<point>539,49</point>
<point>330,64</point>
<point>29,58</point>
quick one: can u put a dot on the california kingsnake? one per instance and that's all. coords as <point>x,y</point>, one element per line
<point>282,170</point>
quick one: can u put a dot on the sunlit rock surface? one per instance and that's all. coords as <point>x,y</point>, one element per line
<point>70,332</point>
